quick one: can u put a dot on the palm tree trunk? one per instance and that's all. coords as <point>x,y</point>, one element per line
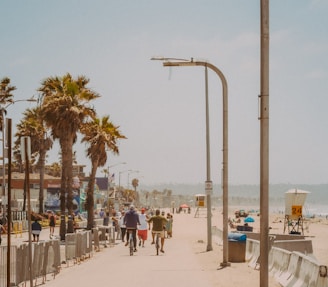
<point>62,231</point>
<point>90,198</point>
<point>42,164</point>
<point>66,195</point>
<point>69,185</point>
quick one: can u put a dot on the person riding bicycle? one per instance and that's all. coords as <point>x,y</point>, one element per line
<point>131,221</point>
<point>158,227</point>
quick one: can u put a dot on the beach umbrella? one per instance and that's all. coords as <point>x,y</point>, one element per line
<point>184,205</point>
<point>249,219</point>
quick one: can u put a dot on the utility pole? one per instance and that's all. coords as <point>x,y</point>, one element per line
<point>264,147</point>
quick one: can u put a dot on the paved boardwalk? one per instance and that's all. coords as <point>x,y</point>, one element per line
<point>185,263</point>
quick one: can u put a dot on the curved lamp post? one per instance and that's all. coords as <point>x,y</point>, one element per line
<point>174,62</point>
<point>113,165</point>
<point>3,111</point>
<point>6,130</point>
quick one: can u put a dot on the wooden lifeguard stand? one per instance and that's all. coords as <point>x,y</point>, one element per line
<point>200,202</point>
<point>294,202</point>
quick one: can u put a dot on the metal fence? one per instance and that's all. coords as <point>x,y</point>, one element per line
<point>46,255</point>
<point>78,246</point>
<point>45,260</point>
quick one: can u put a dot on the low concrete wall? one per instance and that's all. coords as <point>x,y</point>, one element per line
<point>290,259</point>
<point>256,236</point>
<point>290,269</point>
<point>286,241</point>
<point>303,246</point>
<point>302,270</point>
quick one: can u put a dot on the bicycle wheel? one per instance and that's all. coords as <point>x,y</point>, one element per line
<point>131,244</point>
<point>157,243</point>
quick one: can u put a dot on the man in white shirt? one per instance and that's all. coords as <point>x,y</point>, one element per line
<point>143,227</point>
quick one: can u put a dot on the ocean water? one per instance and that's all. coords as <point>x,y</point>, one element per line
<point>309,210</point>
<point>315,210</point>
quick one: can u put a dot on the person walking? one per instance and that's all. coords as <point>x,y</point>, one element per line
<point>2,229</point>
<point>102,213</point>
<point>143,227</point>
<point>159,223</point>
<point>36,230</point>
<point>169,225</point>
<point>122,226</point>
<point>118,226</point>
<point>106,219</point>
<point>131,221</point>
<point>114,220</point>
<point>52,224</point>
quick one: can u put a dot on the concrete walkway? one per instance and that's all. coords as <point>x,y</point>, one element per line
<point>185,262</point>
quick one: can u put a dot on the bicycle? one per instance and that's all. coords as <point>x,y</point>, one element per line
<point>157,239</point>
<point>131,244</point>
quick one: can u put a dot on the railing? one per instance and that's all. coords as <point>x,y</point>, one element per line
<point>46,260</point>
<point>46,255</point>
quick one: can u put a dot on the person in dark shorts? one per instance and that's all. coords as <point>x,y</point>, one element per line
<point>131,221</point>
<point>52,224</point>
<point>36,230</point>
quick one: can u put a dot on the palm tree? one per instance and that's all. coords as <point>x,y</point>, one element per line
<point>55,169</point>
<point>135,184</point>
<point>105,171</point>
<point>129,195</point>
<point>100,135</point>
<point>65,108</point>
<point>6,96</point>
<point>33,126</point>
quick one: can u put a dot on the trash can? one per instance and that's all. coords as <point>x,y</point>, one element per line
<point>236,247</point>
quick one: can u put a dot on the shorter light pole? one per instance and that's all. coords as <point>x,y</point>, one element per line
<point>26,153</point>
<point>119,177</point>
<point>110,166</point>
<point>119,184</point>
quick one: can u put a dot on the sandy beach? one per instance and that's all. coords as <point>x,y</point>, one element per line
<point>315,229</point>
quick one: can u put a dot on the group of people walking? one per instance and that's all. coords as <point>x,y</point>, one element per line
<point>140,222</point>
<point>131,220</point>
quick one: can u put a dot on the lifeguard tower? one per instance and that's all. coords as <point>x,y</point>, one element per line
<point>200,204</point>
<point>294,202</point>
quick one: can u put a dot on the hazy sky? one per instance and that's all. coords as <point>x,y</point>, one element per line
<point>162,110</point>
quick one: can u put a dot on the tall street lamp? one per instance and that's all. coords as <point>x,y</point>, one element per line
<point>115,165</point>
<point>108,177</point>
<point>3,111</point>
<point>174,62</point>
<point>4,132</point>
<point>264,150</point>
<point>7,133</point>
<point>119,178</point>
<point>110,166</point>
